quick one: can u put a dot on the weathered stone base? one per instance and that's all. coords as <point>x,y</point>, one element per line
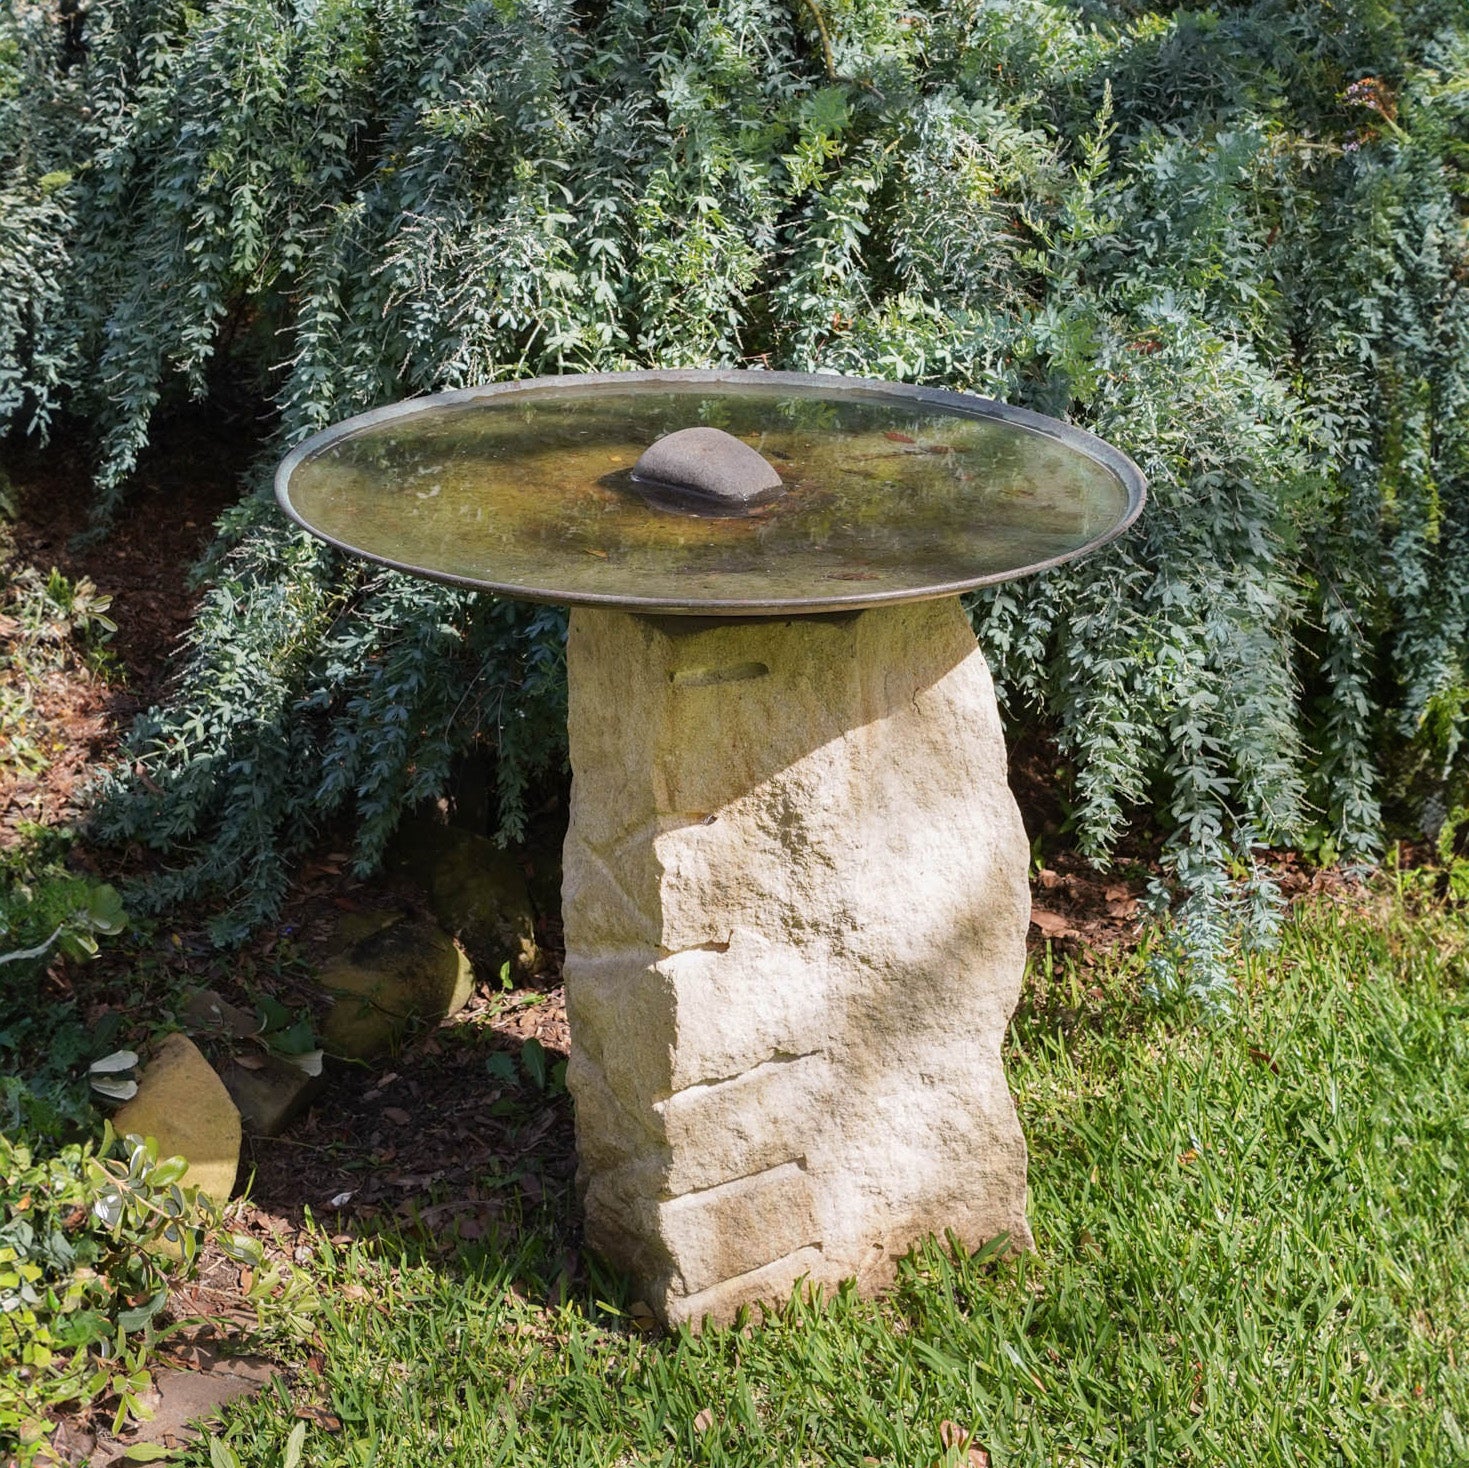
<point>795,902</point>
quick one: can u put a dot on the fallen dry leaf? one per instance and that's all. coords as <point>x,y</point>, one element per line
<point>309,1412</point>
<point>704,1421</point>
<point>961,1439</point>
<point>1052,924</point>
<point>396,1115</point>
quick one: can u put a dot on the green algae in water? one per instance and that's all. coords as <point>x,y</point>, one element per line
<point>886,497</point>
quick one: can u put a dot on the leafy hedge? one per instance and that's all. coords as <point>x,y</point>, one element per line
<point>1230,239</point>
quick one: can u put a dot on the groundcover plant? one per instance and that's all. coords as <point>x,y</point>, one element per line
<point>1230,239</point>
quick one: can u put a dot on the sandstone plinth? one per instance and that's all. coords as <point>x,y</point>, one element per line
<point>795,903</point>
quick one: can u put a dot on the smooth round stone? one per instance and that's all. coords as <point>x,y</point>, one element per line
<point>711,464</point>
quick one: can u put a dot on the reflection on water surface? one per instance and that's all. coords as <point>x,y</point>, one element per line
<point>885,496</point>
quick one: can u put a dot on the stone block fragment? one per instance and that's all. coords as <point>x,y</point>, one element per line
<point>718,1233</point>
<point>211,1014</point>
<point>477,892</point>
<point>795,902</point>
<point>411,972</point>
<point>749,1124</point>
<point>183,1105</point>
<point>268,1091</point>
<point>270,1095</point>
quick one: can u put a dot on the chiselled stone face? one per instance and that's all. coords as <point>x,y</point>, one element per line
<point>706,471</point>
<point>795,900</point>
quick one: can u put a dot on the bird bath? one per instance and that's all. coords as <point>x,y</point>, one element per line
<point>794,890</point>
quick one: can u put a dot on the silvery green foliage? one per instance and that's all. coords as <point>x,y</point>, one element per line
<point>39,104</point>
<point>1231,240</point>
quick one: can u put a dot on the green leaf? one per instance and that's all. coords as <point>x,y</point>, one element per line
<point>169,1171</point>
<point>136,1319</point>
<point>500,1067</point>
<point>77,945</point>
<point>104,912</point>
<point>533,1058</point>
<point>108,1208</point>
<point>243,1248</point>
<point>118,1060</point>
<point>296,1040</point>
<point>294,1445</point>
<point>221,1455</point>
<point>273,1014</point>
<point>149,1453</point>
<point>81,1329</point>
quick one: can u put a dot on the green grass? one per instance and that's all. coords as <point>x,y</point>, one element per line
<point>1252,1247</point>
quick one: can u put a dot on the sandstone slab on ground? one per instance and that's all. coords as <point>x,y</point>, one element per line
<point>209,1013</point>
<point>270,1092</point>
<point>183,1104</point>
<point>267,1089</point>
<point>353,927</point>
<point>404,974</point>
<point>795,901</point>
<point>477,891</point>
<point>180,1401</point>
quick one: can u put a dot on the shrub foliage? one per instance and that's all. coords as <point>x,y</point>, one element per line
<point>1230,239</point>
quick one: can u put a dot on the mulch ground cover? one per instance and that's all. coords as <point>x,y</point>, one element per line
<point>143,563</point>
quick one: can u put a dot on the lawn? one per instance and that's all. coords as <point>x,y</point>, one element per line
<point>1252,1247</point>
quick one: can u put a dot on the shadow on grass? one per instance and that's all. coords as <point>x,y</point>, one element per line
<point>459,1153</point>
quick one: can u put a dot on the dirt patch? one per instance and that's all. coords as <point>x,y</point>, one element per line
<point>456,1134</point>
<point>76,713</point>
<point>190,476</point>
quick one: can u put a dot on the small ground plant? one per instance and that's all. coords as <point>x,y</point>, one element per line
<point>48,624</point>
<point>91,1235</point>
